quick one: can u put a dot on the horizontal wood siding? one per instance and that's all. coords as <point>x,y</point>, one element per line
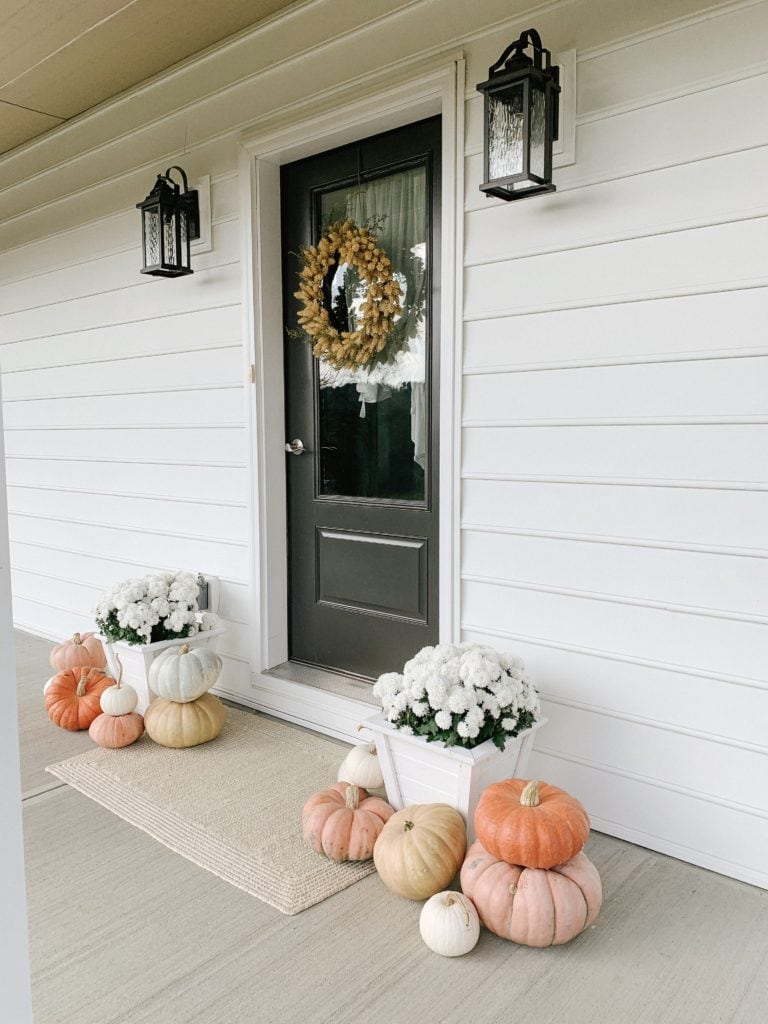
<point>614,423</point>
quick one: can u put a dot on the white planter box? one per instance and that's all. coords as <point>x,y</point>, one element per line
<point>136,659</point>
<point>418,772</point>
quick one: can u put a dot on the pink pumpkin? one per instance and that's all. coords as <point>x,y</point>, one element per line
<point>532,906</point>
<point>84,650</point>
<point>116,731</point>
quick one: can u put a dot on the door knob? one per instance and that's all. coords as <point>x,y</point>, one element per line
<point>295,447</point>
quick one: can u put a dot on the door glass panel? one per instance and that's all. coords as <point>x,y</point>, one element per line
<point>373,420</point>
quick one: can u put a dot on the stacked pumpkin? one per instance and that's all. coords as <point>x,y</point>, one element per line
<point>72,695</point>
<point>184,714</point>
<point>526,873</point>
<point>119,724</point>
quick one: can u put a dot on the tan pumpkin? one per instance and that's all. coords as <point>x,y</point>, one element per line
<point>530,823</point>
<point>344,822</point>
<point>184,725</point>
<point>84,649</point>
<point>72,698</point>
<point>420,849</point>
<point>532,906</point>
<point>116,731</point>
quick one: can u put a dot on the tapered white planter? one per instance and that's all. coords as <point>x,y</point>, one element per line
<point>136,659</point>
<point>418,772</point>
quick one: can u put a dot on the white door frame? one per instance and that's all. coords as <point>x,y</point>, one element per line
<point>379,102</point>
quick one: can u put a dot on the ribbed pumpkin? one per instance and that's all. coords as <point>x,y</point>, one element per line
<point>84,649</point>
<point>361,767</point>
<point>72,698</point>
<point>115,731</point>
<point>184,673</point>
<point>344,822</point>
<point>532,906</point>
<point>420,849</point>
<point>172,724</point>
<point>530,823</point>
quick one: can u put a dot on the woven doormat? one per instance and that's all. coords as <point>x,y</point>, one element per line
<point>232,806</point>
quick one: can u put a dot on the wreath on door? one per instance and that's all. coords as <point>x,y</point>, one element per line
<point>347,243</point>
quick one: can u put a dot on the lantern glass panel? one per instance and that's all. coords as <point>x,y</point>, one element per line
<point>151,237</point>
<point>538,132</point>
<point>170,245</point>
<point>506,140</point>
<point>184,228</point>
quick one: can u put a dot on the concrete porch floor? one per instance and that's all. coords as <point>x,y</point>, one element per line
<point>123,931</point>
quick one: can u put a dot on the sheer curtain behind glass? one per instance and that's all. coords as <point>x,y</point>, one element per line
<point>395,208</point>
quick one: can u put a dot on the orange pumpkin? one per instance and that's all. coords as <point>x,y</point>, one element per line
<point>530,823</point>
<point>343,822</point>
<point>532,906</point>
<point>84,649</point>
<point>72,699</point>
<point>116,731</point>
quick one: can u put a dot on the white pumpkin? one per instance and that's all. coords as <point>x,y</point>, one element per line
<point>449,924</point>
<point>120,699</point>
<point>45,688</point>
<point>361,767</point>
<point>182,674</point>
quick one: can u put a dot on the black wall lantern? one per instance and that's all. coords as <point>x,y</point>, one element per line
<point>170,219</point>
<point>521,108</point>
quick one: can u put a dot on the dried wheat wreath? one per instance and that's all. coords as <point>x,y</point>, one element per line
<point>345,242</point>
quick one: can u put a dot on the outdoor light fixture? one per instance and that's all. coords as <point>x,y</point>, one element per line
<point>521,101</point>
<point>170,219</point>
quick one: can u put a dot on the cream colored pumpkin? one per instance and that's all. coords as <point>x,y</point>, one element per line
<point>420,849</point>
<point>120,699</point>
<point>184,673</point>
<point>449,924</point>
<point>187,724</point>
<point>361,767</point>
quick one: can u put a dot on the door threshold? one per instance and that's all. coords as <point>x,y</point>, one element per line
<point>352,687</point>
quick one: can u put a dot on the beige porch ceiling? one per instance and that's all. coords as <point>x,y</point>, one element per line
<point>59,58</point>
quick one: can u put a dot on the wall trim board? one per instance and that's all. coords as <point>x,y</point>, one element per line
<point>615,481</point>
<point>692,356</point>
<point>619,541</point>
<point>124,528</point>
<point>737,285</point>
<point>644,421</point>
<point>594,652</point>
<point>109,493</point>
<point>635,602</point>
<point>653,723</point>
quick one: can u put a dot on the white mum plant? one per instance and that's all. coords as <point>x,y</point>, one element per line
<point>460,694</point>
<point>146,609</point>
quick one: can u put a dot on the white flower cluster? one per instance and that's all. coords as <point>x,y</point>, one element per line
<point>462,687</point>
<point>165,598</point>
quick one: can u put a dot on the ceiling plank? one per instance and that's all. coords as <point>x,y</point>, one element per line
<point>17,125</point>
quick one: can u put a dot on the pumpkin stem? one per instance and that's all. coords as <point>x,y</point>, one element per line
<point>77,639</point>
<point>119,670</point>
<point>353,797</point>
<point>184,649</point>
<point>530,795</point>
<point>450,899</point>
<point>80,691</point>
<point>407,826</point>
<point>372,749</point>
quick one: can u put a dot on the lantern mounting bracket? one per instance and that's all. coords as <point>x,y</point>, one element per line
<point>190,199</point>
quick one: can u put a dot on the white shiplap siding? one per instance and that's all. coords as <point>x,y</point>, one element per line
<point>614,422</point>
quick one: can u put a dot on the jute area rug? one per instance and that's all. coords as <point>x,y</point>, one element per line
<point>232,806</point>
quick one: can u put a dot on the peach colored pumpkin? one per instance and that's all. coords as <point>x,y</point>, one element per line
<point>530,823</point>
<point>343,822</point>
<point>116,731</point>
<point>184,725</point>
<point>84,649</point>
<point>420,850</point>
<point>532,906</point>
<point>72,698</point>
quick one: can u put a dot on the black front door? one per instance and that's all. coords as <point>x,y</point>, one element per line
<point>362,495</point>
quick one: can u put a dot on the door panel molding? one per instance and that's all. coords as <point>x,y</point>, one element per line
<point>373,105</point>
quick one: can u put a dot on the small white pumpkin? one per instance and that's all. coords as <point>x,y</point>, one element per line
<point>449,924</point>
<point>361,767</point>
<point>182,674</point>
<point>120,699</point>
